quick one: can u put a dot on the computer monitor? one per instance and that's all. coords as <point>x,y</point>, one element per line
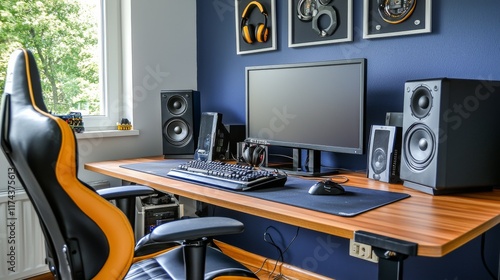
<point>315,107</point>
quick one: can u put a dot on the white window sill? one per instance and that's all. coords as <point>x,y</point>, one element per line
<point>106,133</point>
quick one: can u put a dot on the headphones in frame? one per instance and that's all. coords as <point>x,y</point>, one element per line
<point>249,32</point>
<point>312,10</point>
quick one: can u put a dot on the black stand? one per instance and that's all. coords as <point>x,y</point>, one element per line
<point>194,256</point>
<point>313,166</point>
<point>390,251</point>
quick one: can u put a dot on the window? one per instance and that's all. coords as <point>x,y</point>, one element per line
<point>77,45</point>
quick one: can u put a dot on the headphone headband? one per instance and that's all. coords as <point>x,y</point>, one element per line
<point>251,6</point>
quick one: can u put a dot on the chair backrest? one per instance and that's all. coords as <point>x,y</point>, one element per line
<point>86,235</point>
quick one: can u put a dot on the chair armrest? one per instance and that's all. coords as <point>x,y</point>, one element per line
<point>191,229</point>
<point>194,234</point>
<point>125,192</point>
<point>125,197</point>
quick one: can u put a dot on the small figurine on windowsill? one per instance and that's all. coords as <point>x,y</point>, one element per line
<point>125,124</point>
<point>75,121</point>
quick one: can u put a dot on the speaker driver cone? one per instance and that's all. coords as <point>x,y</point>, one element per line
<point>379,161</point>
<point>177,132</point>
<point>421,102</point>
<point>420,146</point>
<point>177,105</point>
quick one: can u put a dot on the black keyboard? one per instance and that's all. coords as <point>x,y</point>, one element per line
<point>227,175</point>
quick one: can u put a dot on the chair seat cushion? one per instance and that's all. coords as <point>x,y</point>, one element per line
<point>171,266</point>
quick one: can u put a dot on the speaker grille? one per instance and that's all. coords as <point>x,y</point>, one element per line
<point>380,146</point>
<point>421,102</point>
<point>177,105</point>
<point>177,132</point>
<point>420,146</point>
<point>379,161</point>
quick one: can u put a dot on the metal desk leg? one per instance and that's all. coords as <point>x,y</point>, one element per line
<point>390,251</point>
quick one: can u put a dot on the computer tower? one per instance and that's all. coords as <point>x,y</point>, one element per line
<point>152,213</point>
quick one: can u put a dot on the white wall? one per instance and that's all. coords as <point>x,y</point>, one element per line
<point>159,53</point>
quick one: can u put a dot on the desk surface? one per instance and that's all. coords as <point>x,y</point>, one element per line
<point>438,224</point>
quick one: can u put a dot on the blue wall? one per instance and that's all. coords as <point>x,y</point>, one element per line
<point>464,43</point>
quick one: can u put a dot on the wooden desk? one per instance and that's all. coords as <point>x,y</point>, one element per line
<point>437,224</point>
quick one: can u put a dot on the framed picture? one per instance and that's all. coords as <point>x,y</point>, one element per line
<point>316,22</point>
<point>396,18</point>
<point>255,26</point>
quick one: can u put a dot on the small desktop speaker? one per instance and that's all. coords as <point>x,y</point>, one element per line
<point>384,155</point>
<point>213,139</point>
<point>451,135</point>
<point>180,114</point>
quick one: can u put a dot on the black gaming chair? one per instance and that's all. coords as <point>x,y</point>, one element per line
<point>86,236</point>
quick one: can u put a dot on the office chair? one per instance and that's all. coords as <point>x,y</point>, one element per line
<point>86,236</point>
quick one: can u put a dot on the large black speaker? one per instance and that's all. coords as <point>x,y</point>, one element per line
<point>451,135</point>
<point>384,153</point>
<point>180,114</point>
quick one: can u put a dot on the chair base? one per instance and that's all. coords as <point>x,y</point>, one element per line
<point>171,266</point>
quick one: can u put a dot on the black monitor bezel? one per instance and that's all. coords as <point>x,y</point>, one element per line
<point>359,150</point>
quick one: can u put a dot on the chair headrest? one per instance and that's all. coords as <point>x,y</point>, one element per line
<point>23,80</point>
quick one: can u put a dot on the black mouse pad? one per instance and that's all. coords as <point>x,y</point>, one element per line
<point>295,192</point>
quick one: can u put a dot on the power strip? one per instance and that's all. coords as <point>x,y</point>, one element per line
<point>362,251</point>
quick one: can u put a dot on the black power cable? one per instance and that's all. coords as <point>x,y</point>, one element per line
<point>483,259</point>
<point>269,239</point>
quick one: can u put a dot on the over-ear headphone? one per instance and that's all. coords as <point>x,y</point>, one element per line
<point>328,11</point>
<point>312,10</point>
<point>248,31</point>
<point>253,154</point>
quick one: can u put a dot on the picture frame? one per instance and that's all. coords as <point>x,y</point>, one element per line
<point>310,22</point>
<point>382,21</point>
<point>255,23</point>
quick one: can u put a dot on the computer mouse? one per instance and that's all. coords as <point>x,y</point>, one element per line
<point>327,187</point>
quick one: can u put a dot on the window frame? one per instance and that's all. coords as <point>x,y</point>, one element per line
<point>111,76</point>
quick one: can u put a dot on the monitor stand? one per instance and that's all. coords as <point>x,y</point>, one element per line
<point>312,169</point>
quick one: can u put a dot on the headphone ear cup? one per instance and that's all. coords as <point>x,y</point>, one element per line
<point>248,154</point>
<point>258,156</point>
<point>261,33</point>
<point>247,32</point>
<point>254,155</point>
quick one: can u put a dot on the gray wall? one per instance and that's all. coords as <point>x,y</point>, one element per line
<point>159,53</point>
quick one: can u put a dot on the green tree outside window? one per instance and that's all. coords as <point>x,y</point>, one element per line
<point>63,35</point>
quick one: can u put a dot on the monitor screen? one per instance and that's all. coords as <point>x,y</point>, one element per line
<point>317,106</point>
